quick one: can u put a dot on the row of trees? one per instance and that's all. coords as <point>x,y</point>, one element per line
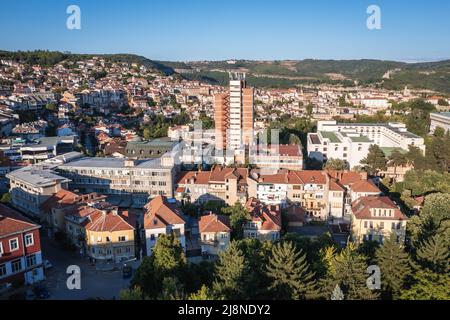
<point>300,268</point>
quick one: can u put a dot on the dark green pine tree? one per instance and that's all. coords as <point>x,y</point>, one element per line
<point>375,160</point>
<point>169,258</point>
<point>395,267</point>
<point>230,274</point>
<point>348,270</point>
<point>289,273</point>
<point>434,254</point>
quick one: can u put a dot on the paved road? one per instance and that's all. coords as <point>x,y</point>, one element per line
<point>103,284</point>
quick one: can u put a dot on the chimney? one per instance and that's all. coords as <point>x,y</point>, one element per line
<point>125,213</point>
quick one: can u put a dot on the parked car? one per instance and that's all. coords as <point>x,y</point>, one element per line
<point>127,271</point>
<point>47,264</point>
<point>41,292</point>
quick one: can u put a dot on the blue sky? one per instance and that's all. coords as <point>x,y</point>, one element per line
<point>216,30</point>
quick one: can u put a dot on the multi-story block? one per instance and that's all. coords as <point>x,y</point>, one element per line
<point>277,156</point>
<point>215,233</point>
<point>31,186</point>
<point>55,208</point>
<point>162,217</point>
<point>127,180</point>
<point>374,218</point>
<point>234,115</point>
<point>351,141</point>
<point>220,184</point>
<point>20,249</point>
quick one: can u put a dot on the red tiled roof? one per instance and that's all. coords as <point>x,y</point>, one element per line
<point>270,216</point>
<point>109,221</point>
<point>364,186</point>
<point>61,198</point>
<point>361,208</point>
<point>12,222</point>
<point>214,223</point>
<point>160,213</point>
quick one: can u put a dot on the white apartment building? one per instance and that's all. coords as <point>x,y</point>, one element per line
<point>441,120</point>
<point>351,141</point>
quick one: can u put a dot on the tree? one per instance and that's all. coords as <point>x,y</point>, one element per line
<point>397,159</point>
<point>134,293</point>
<point>230,276</point>
<point>434,254</point>
<point>238,216</point>
<point>428,285</point>
<point>171,289</point>
<point>145,278</point>
<point>204,293</point>
<point>394,265</point>
<point>256,255</point>
<point>6,198</point>
<point>348,270</point>
<point>169,259</point>
<point>336,165</point>
<point>375,160</point>
<point>433,219</point>
<point>290,274</point>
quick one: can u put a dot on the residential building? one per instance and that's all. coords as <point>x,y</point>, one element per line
<point>149,149</point>
<point>20,250</point>
<point>228,185</point>
<point>31,186</point>
<point>162,216</point>
<point>277,156</point>
<point>374,218</point>
<point>110,235</point>
<point>46,148</point>
<point>125,182</point>
<point>215,233</point>
<point>265,223</point>
<point>234,114</point>
<point>55,208</point>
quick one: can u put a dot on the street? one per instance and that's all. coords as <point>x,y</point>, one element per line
<point>94,283</point>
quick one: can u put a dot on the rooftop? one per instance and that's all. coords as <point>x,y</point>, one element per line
<point>331,136</point>
<point>38,176</point>
<point>106,163</point>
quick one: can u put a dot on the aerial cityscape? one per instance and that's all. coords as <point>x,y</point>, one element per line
<point>128,177</point>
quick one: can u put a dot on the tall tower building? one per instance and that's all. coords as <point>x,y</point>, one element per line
<point>234,114</point>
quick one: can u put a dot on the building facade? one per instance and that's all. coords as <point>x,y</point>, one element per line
<point>20,250</point>
<point>234,115</point>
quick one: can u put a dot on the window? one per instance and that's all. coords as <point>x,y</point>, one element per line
<point>31,261</point>
<point>29,240</point>
<point>108,239</point>
<point>393,225</point>
<point>16,266</point>
<point>14,244</point>
<point>365,224</point>
<point>371,224</point>
<point>1,248</point>
<point>152,237</point>
<point>381,225</point>
<point>2,270</point>
<point>122,238</point>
